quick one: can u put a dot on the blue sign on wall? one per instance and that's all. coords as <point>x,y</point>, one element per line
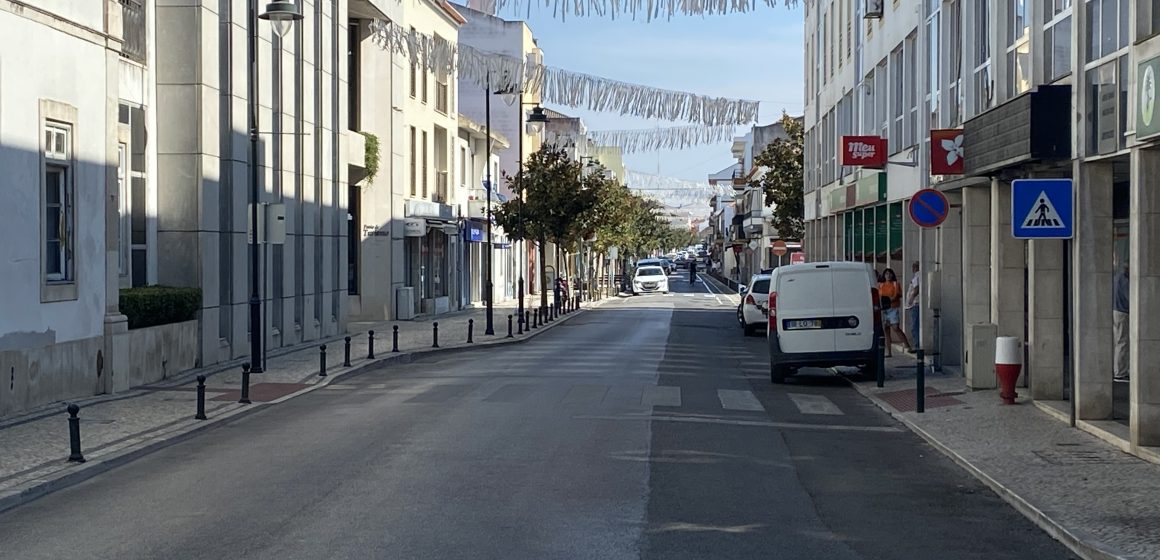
<point>1042,209</point>
<point>475,233</point>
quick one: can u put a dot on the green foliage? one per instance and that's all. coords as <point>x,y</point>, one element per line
<point>372,155</point>
<point>149,306</point>
<point>782,181</point>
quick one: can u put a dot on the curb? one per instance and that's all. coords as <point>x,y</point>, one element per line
<point>150,442</point>
<point>1086,547</point>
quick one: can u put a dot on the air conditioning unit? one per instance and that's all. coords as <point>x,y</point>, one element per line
<point>404,303</point>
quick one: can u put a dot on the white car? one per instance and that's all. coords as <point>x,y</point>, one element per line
<point>753,311</point>
<point>649,279</point>
<point>823,314</point>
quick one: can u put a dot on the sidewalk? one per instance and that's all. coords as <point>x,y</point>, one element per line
<point>118,428</point>
<point>1093,497</point>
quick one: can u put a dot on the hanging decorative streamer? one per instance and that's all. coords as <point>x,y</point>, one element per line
<point>671,190</point>
<point>656,139</point>
<point>561,87</point>
<point>647,9</point>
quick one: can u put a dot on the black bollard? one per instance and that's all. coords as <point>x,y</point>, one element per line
<point>346,353</point>
<point>519,323</point>
<point>527,320</point>
<point>920,380</point>
<point>470,329</point>
<point>74,434</point>
<point>322,361</point>
<point>509,327</point>
<point>371,343</point>
<point>200,398</point>
<point>395,338</point>
<point>245,398</point>
<point>435,334</point>
<point>880,360</point>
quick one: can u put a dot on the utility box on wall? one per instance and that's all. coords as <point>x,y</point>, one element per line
<point>979,359</point>
<point>404,303</point>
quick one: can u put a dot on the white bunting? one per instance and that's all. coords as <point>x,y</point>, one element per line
<point>560,87</point>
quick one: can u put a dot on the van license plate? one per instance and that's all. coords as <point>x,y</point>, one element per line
<point>798,324</point>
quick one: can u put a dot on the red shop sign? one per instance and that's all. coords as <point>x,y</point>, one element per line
<point>946,152</point>
<point>863,151</point>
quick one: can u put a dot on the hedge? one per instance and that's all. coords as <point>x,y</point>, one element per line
<point>150,306</point>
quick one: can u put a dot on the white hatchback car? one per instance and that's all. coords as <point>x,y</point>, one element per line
<point>753,311</point>
<point>649,279</point>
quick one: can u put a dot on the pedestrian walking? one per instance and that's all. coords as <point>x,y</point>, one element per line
<point>912,307</point>
<point>891,293</point>
<point>1120,324</point>
<point>692,271</point>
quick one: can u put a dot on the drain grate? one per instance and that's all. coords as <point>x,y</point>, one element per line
<point>1069,457</point>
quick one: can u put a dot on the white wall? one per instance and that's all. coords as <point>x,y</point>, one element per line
<point>73,72</point>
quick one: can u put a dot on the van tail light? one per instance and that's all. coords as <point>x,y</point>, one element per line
<point>876,302</point>
<point>772,312</point>
<point>749,299</point>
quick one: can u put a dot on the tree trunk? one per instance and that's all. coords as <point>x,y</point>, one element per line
<point>543,273</point>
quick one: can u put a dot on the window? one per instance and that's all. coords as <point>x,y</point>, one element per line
<point>982,92</point>
<point>1107,30</point>
<point>882,100</point>
<point>414,70</point>
<point>1018,50</point>
<point>423,147</point>
<point>911,54</point>
<point>897,100</point>
<point>123,210</point>
<point>423,79</point>
<point>953,101</point>
<point>463,167</point>
<point>1147,19</point>
<point>933,63</point>
<point>58,203</point>
<point>1102,107</point>
<point>849,28</point>
<point>1019,22</point>
<point>414,169</point>
<point>869,125</point>
<point>1056,39</point>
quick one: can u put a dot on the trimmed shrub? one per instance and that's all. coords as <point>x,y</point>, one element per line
<point>150,306</point>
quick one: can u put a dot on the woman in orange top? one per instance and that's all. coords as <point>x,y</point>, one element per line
<point>891,293</point>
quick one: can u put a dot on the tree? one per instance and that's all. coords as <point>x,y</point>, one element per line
<point>547,204</point>
<point>782,180</point>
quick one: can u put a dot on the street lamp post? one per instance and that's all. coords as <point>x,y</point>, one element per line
<point>509,97</point>
<point>536,120</point>
<point>281,16</point>
<point>489,328</point>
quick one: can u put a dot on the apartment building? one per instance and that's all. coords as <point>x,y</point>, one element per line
<point>966,97</point>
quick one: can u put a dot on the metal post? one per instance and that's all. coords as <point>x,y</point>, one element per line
<point>509,326</point>
<point>435,334</point>
<point>255,249</point>
<point>520,322</point>
<point>371,344</point>
<point>200,398</point>
<point>395,338</point>
<point>488,329</point>
<point>74,434</point>
<point>470,328</point>
<point>880,358</point>
<point>346,352</point>
<point>245,398</point>
<point>920,379</point>
<point>322,361</point>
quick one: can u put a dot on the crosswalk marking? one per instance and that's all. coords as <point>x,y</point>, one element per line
<point>733,399</point>
<point>661,395</point>
<point>814,404</point>
<point>338,387</point>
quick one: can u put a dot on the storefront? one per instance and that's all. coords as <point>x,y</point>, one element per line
<point>872,227</point>
<point>430,254</point>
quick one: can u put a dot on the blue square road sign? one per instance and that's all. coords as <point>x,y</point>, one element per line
<point>1042,209</point>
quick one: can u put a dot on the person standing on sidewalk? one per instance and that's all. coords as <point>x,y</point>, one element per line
<point>912,308</point>
<point>1120,323</point>
<point>891,293</point>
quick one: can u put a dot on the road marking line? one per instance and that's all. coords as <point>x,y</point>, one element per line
<point>756,423</point>
<point>377,386</point>
<point>661,395</point>
<point>733,399</point>
<point>338,387</point>
<point>814,404</point>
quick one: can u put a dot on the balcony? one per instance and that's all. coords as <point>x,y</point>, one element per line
<point>135,47</point>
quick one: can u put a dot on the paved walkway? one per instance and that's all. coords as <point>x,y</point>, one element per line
<point>1098,500</point>
<point>117,428</point>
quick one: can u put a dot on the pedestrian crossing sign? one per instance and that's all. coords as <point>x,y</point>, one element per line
<point>1041,209</point>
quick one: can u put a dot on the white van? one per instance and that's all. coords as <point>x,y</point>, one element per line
<point>823,314</point>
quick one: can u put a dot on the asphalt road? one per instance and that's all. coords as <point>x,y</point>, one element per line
<point>645,429</point>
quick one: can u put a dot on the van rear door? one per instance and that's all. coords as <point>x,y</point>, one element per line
<point>805,299</point>
<point>855,330</point>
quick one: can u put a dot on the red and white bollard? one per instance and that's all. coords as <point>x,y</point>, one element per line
<point>1008,364</point>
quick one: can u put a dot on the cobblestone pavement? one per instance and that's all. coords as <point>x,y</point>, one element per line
<point>35,445</point>
<point>1094,497</point>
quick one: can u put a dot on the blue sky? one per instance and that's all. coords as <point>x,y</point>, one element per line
<point>750,56</point>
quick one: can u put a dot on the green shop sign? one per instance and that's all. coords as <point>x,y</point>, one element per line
<point>870,190</point>
<point>1147,119</point>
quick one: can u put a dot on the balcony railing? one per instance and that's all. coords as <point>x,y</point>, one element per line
<point>133,30</point>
